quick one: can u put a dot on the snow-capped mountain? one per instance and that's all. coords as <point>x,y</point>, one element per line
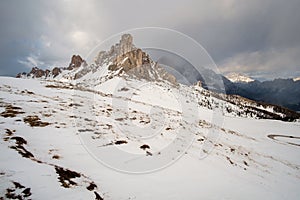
<point>238,78</point>
<point>88,131</point>
<point>296,79</point>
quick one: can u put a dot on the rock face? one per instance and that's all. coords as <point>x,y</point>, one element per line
<point>199,84</point>
<point>125,45</point>
<point>124,56</point>
<point>56,71</point>
<point>76,61</point>
<point>138,64</point>
<point>20,75</point>
<point>130,60</point>
<point>37,73</point>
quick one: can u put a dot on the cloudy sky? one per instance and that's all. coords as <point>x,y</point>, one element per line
<point>259,38</point>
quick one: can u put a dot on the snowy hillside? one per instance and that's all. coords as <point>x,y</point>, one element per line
<point>44,124</point>
<point>123,128</point>
<point>238,78</point>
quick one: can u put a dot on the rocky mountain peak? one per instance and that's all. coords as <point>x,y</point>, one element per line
<point>36,72</point>
<point>296,79</point>
<point>130,60</point>
<point>138,64</point>
<point>125,45</point>
<point>239,78</point>
<point>76,62</point>
<point>124,56</point>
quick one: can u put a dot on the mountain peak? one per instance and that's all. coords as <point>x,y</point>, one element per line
<point>238,78</point>
<point>125,45</point>
<point>76,61</point>
<point>138,64</point>
<point>296,79</point>
<point>132,61</point>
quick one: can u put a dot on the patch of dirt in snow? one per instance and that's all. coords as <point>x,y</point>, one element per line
<point>11,111</point>
<point>65,176</point>
<point>17,191</point>
<point>121,142</point>
<point>34,120</point>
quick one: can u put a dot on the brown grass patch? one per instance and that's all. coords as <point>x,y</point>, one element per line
<point>35,121</point>
<point>121,142</point>
<point>11,111</point>
<point>145,146</point>
<point>65,176</point>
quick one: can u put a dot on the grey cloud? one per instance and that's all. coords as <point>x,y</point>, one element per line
<point>248,36</point>
<point>268,29</point>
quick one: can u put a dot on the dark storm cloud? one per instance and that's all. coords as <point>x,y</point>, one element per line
<point>254,37</point>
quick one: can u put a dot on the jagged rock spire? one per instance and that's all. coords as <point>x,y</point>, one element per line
<point>125,45</point>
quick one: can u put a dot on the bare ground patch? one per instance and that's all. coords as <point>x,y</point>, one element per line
<point>17,191</point>
<point>11,111</point>
<point>34,120</point>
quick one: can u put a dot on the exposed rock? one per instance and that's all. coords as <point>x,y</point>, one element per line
<point>47,72</point>
<point>132,59</point>
<point>20,75</point>
<point>199,84</point>
<point>65,176</point>
<point>102,55</point>
<point>56,71</point>
<point>125,45</point>
<point>138,64</point>
<point>76,62</point>
<point>36,72</point>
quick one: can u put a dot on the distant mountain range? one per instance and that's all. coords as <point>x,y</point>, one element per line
<point>283,92</point>
<point>238,78</point>
<point>296,79</point>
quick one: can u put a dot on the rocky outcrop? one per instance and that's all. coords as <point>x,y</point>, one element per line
<point>20,75</point>
<point>36,72</point>
<point>138,64</point>
<point>56,71</point>
<point>198,84</point>
<point>76,61</point>
<point>130,60</point>
<point>39,73</point>
<point>125,45</point>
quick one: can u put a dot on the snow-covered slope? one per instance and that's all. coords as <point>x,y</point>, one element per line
<point>123,128</point>
<point>52,134</point>
<point>238,78</point>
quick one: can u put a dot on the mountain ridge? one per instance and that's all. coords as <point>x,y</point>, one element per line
<point>125,60</point>
<point>238,77</point>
